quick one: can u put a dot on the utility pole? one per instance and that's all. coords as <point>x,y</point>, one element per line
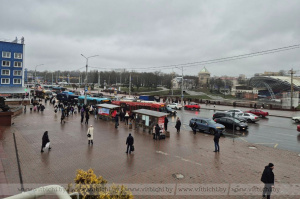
<point>129,84</point>
<point>182,86</point>
<point>292,72</point>
<point>99,84</point>
<point>52,79</point>
<point>172,82</point>
<point>86,74</point>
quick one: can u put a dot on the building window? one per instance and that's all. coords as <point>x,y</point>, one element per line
<point>5,63</point>
<point>17,81</point>
<point>5,80</point>
<point>17,64</point>
<point>17,73</point>
<point>18,55</point>
<point>5,72</point>
<point>6,54</point>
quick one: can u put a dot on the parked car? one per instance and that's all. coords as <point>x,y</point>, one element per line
<point>207,125</point>
<point>235,111</point>
<point>175,106</point>
<point>296,119</point>
<point>229,122</point>
<point>171,111</point>
<point>298,128</point>
<point>249,117</point>
<point>192,106</point>
<point>227,114</point>
<point>258,112</point>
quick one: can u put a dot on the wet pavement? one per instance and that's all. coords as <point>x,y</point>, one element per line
<point>276,132</point>
<point>153,162</point>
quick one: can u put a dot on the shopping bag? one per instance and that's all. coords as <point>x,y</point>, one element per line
<point>47,145</point>
<point>89,135</point>
<point>132,148</point>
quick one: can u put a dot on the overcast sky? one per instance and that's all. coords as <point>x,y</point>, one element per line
<point>149,34</point>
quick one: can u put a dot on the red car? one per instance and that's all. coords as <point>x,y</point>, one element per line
<point>298,128</point>
<point>258,112</point>
<point>192,106</point>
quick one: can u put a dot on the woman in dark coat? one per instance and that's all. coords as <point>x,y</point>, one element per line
<point>45,140</point>
<point>178,125</point>
<point>157,132</point>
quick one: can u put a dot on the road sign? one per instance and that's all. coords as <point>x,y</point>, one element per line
<point>25,89</point>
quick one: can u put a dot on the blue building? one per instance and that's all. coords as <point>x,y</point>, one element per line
<point>11,66</point>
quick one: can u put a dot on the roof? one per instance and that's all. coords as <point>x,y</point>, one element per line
<point>12,90</point>
<point>109,106</point>
<point>282,83</point>
<point>150,113</point>
<point>204,70</point>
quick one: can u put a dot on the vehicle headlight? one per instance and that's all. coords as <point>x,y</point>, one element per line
<point>218,127</point>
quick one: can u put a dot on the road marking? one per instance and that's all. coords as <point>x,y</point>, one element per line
<point>181,158</point>
<point>276,145</point>
<point>243,139</point>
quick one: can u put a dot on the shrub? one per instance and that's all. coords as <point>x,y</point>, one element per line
<point>89,186</point>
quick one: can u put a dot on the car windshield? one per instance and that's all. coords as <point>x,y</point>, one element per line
<point>236,121</point>
<point>211,122</point>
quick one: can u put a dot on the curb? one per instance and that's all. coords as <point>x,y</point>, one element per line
<point>282,116</point>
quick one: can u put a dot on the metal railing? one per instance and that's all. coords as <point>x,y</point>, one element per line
<point>57,190</point>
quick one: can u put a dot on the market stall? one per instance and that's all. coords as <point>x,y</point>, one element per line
<point>147,119</point>
<point>107,111</point>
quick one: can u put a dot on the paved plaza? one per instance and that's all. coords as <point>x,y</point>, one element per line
<point>154,162</point>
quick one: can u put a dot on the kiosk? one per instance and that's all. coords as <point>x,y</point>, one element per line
<point>107,111</point>
<point>147,119</point>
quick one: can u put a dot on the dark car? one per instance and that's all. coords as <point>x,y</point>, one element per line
<point>171,111</point>
<point>207,125</point>
<point>226,114</point>
<point>230,122</point>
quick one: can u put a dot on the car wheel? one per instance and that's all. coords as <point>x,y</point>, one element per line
<point>237,128</point>
<point>176,108</point>
<point>185,108</point>
<point>193,109</point>
<point>211,131</point>
<point>296,121</point>
<point>249,120</point>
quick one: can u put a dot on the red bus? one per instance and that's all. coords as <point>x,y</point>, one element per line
<point>130,106</point>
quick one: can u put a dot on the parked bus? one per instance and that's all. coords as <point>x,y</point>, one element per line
<point>130,106</point>
<point>93,100</point>
<point>66,96</point>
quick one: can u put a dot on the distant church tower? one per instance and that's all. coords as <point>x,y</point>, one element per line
<point>204,76</point>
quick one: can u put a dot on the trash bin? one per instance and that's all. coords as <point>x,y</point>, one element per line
<point>130,125</point>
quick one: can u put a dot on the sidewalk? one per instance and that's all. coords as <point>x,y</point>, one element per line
<point>153,162</point>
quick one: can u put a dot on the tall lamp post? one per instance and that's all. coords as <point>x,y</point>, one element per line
<point>181,84</point>
<point>35,77</point>
<point>87,61</point>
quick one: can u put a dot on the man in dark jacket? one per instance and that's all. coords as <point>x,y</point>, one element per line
<point>129,143</point>
<point>166,123</point>
<point>157,132</point>
<point>45,140</point>
<point>268,179</point>
<point>194,127</point>
<point>178,125</point>
<point>216,140</point>
<point>116,121</point>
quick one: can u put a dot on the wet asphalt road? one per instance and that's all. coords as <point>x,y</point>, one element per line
<point>271,131</point>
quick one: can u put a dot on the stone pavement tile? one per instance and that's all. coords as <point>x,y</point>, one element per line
<point>154,161</point>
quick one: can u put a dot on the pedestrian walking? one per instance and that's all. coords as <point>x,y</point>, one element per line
<point>129,143</point>
<point>116,121</point>
<point>31,107</point>
<point>178,125</point>
<point>45,142</point>
<point>95,112</point>
<point>268,179</point>
<point>87,117</point>
<point>157,132</point>
<point>216,141</point>
<point>62,118</point>
<point>24,108</point>
<point>82,115</point>
<point>194,127</point>
<point>166,123</point>
<point>90,134</point>
<point>126,118</point>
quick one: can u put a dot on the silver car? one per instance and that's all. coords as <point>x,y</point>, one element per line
<point>249,117</point>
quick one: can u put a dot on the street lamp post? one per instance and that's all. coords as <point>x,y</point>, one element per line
<point>35,77</point>
<point>182,80</point>
<point>86,70</point>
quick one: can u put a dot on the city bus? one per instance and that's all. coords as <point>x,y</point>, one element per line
<point>130,106</point>
<point>93,100</point>
<point>44,94</point>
